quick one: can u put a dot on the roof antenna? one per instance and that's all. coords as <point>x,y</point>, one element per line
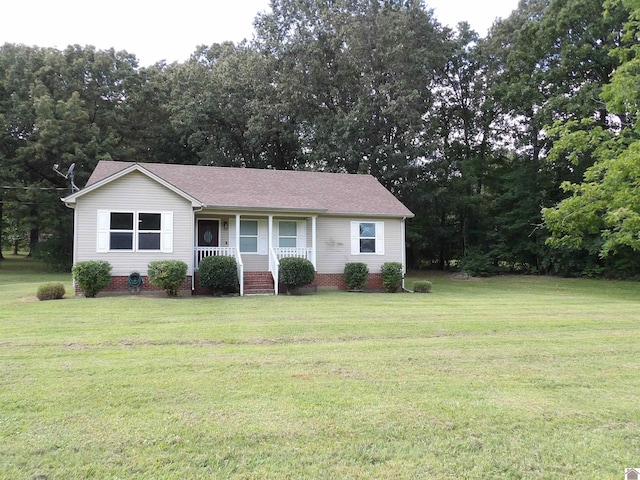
<point>69,175</point>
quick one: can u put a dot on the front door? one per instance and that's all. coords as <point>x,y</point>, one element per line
<point>208,233</point>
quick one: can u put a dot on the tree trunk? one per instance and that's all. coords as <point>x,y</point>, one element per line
<point>34,234</point>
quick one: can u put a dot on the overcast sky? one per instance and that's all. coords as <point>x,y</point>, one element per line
<point>171,31</point>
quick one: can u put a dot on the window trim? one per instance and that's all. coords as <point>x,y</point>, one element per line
<point>139,231</point>
<point>131,231</point>
<point>355,237</point>
<point>104,230</point>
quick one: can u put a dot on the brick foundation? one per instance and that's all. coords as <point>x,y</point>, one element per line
<point>335,281</point>
<point>120,285</point>
<point>323,281</point>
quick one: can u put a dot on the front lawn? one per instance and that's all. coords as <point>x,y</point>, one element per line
<point>507,377</point>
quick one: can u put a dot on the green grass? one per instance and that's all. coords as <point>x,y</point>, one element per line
<point>507,377</point>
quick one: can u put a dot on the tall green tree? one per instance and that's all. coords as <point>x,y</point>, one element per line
<point>224,109</point>
<point>552,60</point>
<point>602,214</point>
<point>357,77</point>
<point>59,107</point>
<point>452,186</point>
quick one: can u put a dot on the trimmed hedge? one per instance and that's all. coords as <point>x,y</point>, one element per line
<point>50,291</point>
<point>356,275</point>
<point>168,275</point>
<point>296,272</point>
<point>92,276</point>
<point>422,286</point>
<point>392,276</point>
<point>219,273</point>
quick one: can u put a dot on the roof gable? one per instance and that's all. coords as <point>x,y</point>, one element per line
<point>118,173</point>
<point>256,189</point>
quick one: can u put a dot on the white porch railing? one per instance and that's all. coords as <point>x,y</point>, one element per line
<point>274,268</point>
<point>278,253</point>
<point>240,270</point>
<point>203,252</point>
<point>275,255</point>
<point>295,252</point>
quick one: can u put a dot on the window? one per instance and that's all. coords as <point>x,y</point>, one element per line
<point>367,238</point>
<point>249,236</point>
<point>121,231</point>
<point>149,231</point>
<point>287,234</point>
<point>134,231</point>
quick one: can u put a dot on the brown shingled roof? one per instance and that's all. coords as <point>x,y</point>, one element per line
<point>248,188</point>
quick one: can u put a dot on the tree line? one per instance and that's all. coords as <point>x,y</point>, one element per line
<point>517,151</point>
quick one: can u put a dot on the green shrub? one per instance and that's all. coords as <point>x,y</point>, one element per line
<point>392,276</point>
<point>296,272</point>
<point>92,276</point>
<point>422,286</point>
<point>219,273</point>
<point>356,275</point>
<point>50,291</point>
<point>168,275</point>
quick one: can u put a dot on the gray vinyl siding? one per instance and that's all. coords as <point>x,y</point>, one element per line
<point>334,244</point>
<point>253,262</point>
<point>133,192</point>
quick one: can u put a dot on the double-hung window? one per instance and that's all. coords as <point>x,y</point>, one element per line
<point>149,228</point>
<point>134,231</point>
<point>287,233</point>
<point>121,231</point>
<point>249,236</point>
<point>367,238</point>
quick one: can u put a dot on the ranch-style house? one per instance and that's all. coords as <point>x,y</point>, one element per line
<point>133,213</point>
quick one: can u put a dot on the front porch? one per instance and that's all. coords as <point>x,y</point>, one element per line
<point>257,243</point>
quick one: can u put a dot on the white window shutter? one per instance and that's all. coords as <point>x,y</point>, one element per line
<point>263,237</point>
<point>102,240</point>
<point>355,238</point>
<point>232,232</point>
<point>379,238</point>
<point>301,232</point>
<point>166,232</point>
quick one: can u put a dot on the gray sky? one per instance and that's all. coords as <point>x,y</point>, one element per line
<point>156,30</point>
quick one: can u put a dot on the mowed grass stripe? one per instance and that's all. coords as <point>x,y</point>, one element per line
<point>493,378</point>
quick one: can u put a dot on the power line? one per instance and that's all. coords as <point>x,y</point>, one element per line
<point>8,187</point>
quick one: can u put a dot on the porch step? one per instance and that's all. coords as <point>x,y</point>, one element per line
<point>258,283</point>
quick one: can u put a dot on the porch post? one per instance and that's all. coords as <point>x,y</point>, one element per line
<point>313,241</point>
<point>237,232</point>
<point>273,261</point>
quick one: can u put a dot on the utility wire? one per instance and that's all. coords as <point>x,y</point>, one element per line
<point>7,187</point>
